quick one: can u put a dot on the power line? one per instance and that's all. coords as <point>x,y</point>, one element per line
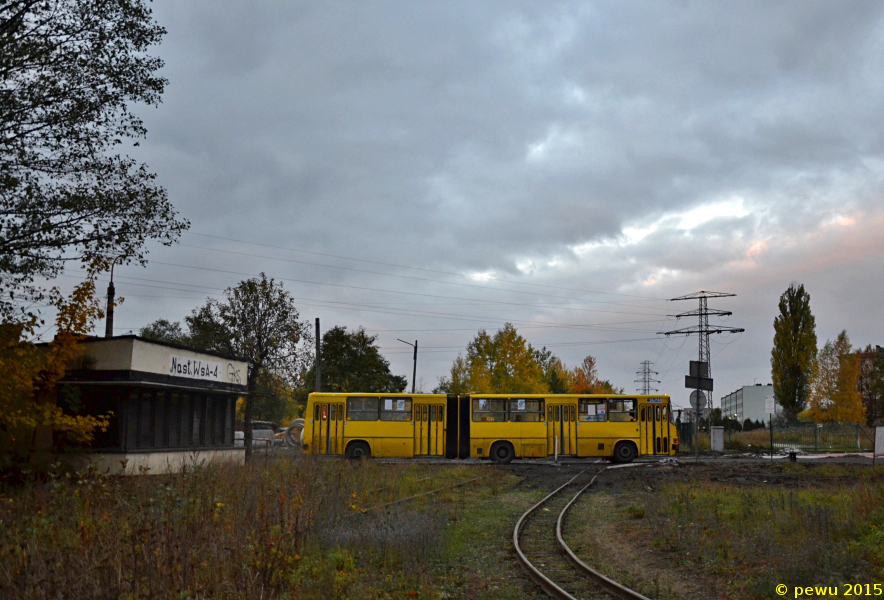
<point>411,277</point>
<point>433,314</point>
<point>418,268</point>
<point>362,288</point>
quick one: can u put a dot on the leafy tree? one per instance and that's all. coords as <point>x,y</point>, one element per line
<point>500,364</point>
<point>794,351</point>
<point>351,362</point>
<point>585,379</point>
<point>71,71</point>
<point>29,414</point>
<point>871,383</point>
<point>274,399</point>
<point>162,330</point>
<point>834,396</point>
<point>555,375</point>
<point>257,321</point>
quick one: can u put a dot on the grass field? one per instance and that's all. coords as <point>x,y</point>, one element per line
<point>305,528</point>
<point>314,528</point>
<point>713,539</point>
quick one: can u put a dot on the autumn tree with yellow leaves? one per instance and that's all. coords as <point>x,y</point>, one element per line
<point>834,397</point>
<point>497,364</point>
<point>30,418</point>
<point>506,363</point>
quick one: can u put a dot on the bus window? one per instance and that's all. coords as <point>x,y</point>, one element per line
<point>621,409</point>
<point>592,410</point>
<point>522,409</point>
<point>487,409</point>
<point>395,409</point>
<point>362,409</point>
<point>571,413</point>
<point>316,412</point>
<point>334,412</point>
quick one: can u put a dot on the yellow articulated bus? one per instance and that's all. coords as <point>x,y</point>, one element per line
<point>496,426</point>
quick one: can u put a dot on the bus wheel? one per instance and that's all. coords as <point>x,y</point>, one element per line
<point>502,452</point>
<point>357,450</point>
<point>625,452</point>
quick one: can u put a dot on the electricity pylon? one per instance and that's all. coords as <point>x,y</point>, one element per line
<point>702,329</point>
<point>645,378</point>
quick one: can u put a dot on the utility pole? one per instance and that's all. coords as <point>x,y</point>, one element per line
<point>109,319</point>
<point>414,369</point>
<point>645,378</point>
<point>700,377</point>
<point>318,356</point>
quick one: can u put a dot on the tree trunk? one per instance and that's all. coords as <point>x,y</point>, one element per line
<point>247,410</point>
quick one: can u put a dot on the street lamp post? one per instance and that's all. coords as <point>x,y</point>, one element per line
<point>109,320</point>
<point>414,370</point>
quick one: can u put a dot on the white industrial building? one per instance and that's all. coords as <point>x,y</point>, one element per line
<point>748,403</point>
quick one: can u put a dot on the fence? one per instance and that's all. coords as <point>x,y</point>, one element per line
<point>807,437</point>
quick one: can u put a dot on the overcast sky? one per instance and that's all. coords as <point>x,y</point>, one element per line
<point>426,169</point>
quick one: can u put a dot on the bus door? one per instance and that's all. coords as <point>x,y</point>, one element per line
<point>654,423</point>
<point>429,430</point>
<point>328,428</point>
<point>561,424</point>
<point>437,429</point>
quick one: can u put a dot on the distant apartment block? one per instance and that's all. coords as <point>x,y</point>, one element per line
<point>748,403</point>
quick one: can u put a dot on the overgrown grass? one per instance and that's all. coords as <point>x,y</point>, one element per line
<point>758,538</point>
<point>300,529</point>
<point>841,439</point>
<point>476,560</point>
<point>702,539</point>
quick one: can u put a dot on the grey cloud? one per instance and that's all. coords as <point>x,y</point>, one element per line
<point>465,136</point>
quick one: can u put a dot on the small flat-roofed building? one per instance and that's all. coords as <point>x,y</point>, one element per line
<point>170,406</point>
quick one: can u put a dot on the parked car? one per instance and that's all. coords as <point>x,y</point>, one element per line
<point>262,434</point>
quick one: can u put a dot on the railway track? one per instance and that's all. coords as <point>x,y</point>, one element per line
<point>549,562</point>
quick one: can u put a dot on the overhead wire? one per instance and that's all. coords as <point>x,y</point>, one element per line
<point>411,277</point>
<point>417,268</point>
<point>363,288</point>
<point>428,314</point>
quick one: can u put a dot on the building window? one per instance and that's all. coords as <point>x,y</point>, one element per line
<point>160,427</point>
<point>199,409</point>
<point>145,419</point>
<point>228,420</point>
<point>186,420</point>
<point>174,420</point>
<point>155,419</point>
<point>218,420</point>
